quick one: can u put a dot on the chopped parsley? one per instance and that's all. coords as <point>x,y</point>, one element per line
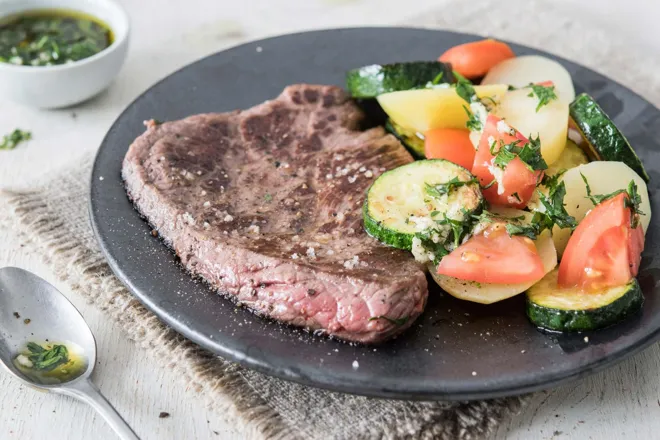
<point>464,88</point>
<point>473,123</point>
<point>489,217</point>
<point>530,154</point>
<point>438,78</point>
<point>441,189</point>
<point>551,182</point>
<point>398,322</point>
<point>554,214</point>
<point>632,201</point>
<point>545,94</point>
<point>492,182</point>
<point>529,231</point>
<point>11,140</point>
<point>47,359</point>
<point>268,198</point>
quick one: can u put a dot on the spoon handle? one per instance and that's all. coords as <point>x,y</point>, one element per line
<point>87,392</point>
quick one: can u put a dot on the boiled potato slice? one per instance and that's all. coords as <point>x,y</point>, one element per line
<point>550,123</point>
<point>521,71</point>
<point>571,157</point>
<point>426,109</point>
<point>490,293</point>
<point>603,178</point>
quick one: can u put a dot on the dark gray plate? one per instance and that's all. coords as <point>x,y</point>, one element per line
<point>456,350</point>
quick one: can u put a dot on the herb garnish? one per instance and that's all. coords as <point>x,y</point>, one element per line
<point>530,154</point>
<point>464,88</point>
<point>441,189</point>
<point>268,198</point>
<point>545,94</point>
<point>473,123</point>
<point>11,140</point>
<point>492,182</point>
<point>551,182</point>
<point>398,322</point>
<point>44,359</point>
<point>437,79</point>
<point>555,214</point>
<point>632,201</point>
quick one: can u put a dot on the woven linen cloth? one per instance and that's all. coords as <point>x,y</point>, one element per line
<point>54,218</point>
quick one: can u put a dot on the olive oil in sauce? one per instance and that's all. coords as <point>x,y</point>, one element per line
<point>51,363</point>
<point>51,37</point>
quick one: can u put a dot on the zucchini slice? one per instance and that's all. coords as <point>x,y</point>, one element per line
<point>374,80</point>
<point>409,138</point>
<point>570,310</point>
<point>603,139</point>
<point>398,207</point>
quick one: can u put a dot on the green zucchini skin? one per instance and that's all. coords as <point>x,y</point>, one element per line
<point>374,80</point>
<point>411,141</point>
<point>390,225</point>
<point>563,320</point>
<point>604,139</point>
<point>375,229</point>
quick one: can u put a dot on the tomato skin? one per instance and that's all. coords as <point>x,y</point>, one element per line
<point>604,250</point>
<point>635,249</point>
<point>475,59</point>
<point>494,257</point>
<point>451,144</point>
<point>516,178</point>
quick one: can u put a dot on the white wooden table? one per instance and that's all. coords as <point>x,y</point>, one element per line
<point>166,35</point>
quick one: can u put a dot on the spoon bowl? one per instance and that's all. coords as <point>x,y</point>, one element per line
<point>32,310</point>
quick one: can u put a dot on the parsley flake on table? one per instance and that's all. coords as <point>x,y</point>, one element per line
<point>13,139</point>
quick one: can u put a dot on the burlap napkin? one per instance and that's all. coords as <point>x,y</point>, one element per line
<point>54,217</point>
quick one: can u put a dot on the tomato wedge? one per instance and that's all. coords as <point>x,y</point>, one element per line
<point>452,144</point>
<point>475,59</point>
<point>494,257</point>
<point>604,250</point>
<point>516,183</point>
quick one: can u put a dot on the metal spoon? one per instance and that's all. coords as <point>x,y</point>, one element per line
<point>33,310</point>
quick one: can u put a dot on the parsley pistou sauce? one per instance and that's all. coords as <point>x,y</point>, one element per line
<point>51,363</point>
<point>48,37</point>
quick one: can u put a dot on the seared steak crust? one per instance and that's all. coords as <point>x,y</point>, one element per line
<point>266,205</point>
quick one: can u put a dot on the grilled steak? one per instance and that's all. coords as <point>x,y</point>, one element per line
<point>266,206</point>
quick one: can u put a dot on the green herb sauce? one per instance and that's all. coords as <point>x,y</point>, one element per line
<point>51,363</point>
<point>51,37</point>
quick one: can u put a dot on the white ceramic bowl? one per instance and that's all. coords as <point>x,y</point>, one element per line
<point>66,84</point>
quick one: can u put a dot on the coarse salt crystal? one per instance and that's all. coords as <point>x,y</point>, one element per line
<point>369,174</point>
<point>294,256</point>
<point>203,193</point>
<point>362,169</point>
<point>100,177</point>
<point>254,229</point>
<point>207,225</point>
<point>311,253</point>
<point>352,179</point>
<point>207,204</point>
<point>350,264</point>
<point>328,176</point>
<point>188,218</point>
<point>356,365</point>
<point>228,218</point>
